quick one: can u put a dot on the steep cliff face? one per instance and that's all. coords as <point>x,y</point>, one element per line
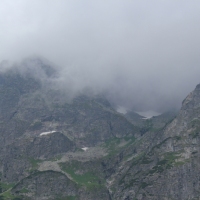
<point>53,147</point>
<point>168,167</point>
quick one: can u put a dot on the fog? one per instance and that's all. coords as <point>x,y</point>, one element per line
<point>143,55</point>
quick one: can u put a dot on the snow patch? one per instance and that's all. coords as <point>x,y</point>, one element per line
<point>85,148</point>
<point>47,133</point>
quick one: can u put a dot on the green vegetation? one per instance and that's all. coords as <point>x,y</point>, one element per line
<point>34,163</point>
<point>88,178</point>
<point>110,144</point>
<point>56,158</point>
<point>135,161</point>
<point>5,190</point>
<point>7,196</point>
<point>114,145</point>
<point>167,162</point>
<point>24,190</point>
<point>5,186</point>
<point>131,183</point>
<point>194,123</point>
<point>143,185</point>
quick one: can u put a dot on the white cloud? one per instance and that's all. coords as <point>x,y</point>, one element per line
<point>144,53</point>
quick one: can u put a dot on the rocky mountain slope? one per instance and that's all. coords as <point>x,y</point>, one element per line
<point>55,147</point>
<point>166,163</point>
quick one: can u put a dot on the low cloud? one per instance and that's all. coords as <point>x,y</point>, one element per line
<point>143,55</point>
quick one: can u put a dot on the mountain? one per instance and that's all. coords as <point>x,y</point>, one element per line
<point>150,123</point>
<point>165,164</point>
<point>42,130</point>
<point>54,146</point>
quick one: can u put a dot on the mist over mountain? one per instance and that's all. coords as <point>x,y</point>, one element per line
<point>142,55</point>
<point>98,100</point>
<point>119,94</point>
<point>58,144</point>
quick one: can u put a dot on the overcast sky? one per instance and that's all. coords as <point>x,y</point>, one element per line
<point>144,54</point>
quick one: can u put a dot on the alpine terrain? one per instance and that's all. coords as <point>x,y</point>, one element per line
<point>57,146</point>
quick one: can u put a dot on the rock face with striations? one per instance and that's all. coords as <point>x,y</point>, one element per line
<point>168,167</point>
